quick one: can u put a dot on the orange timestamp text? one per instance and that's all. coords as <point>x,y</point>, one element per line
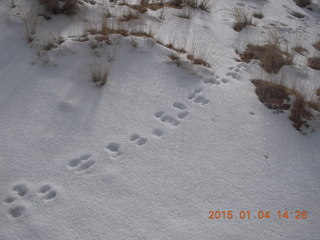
<point>216,215</point>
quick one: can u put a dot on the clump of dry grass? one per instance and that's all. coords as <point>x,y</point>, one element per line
<point>175,59</point>
<point>99,76</point>
<point>198,60</point>
<point>273,54</point>
<point>142,31</point>
<point>314,62</point>
<point>129,15</point>
<point>55,7</point>
<point>300,49</point>
<point>297,14</point>
<point>258,15</point>
<point>241,19</point>
<point>30,21</point>
<point>52,43</point>
<point>303,3</point>
<point>316,45</point>
<point>204,5</point>
<point>163,14</point>
<point>186,13</point>
<point>277,96</point>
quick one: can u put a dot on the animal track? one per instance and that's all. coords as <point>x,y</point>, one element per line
<point>183,114</point>
<point>82,163</point>
<point>197,98</point>
<point>46,192</point>
<point>157,132</point>
<point>164,118</point>
<point>9,199</point>
<point>16,206</point>
<point>180,106</point>
<point>113,149</point>
<point>17,211</point>
<point>20,189</point>
<point>140,141</point>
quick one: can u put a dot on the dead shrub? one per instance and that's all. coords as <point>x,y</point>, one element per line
<point>314,62</point>
<point>198,60</point>
<point>70,7</point>
<point>204,5</point>
<point>303,3</point>
<point>175,59</point>
<point>186,13</point>
<point>279,97</point>
<point>300,49</point>
<point>129,15</point>
<point>99,76</point>
<point>272,58</point>
<point>241,19</point>
<point>273,54</point>
<point>258,15</point>
<point>30,21</point>
<point>54,7</point>
<point>163,14</point>
<point>317,45</point>
<point>297,14</point>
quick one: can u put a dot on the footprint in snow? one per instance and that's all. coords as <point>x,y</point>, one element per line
<point>82,163</point>
<point>16,199</point>
<point>138,140</point>
<point>158,132</point>
<point>113,149</point>
<point>182,108</point>
<point>166,119</point>
<point>197,97</point>
<point>46,192</point>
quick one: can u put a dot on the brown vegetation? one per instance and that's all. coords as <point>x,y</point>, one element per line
<point>271,56</point>
<point>276,96</point>
<point>314,62</point>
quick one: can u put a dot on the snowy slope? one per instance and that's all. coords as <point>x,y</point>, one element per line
<point>148,155</point>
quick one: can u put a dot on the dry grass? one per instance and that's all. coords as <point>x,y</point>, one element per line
<point>13,4</point>
<point>99,76</point>
<point>258,15</point>
<point>52,43</point>
<point>30,21</point>
<point>186,13</point>
<point>297,14</point>
<point>204,5</point>
<point>129,15</point>
<point>273,54</point>
<point>276,96</point>
<point>316,45</point>
<point>175,59</point>
<point>241,19</point>
<point>303,3</point>
<point>54,7</point>
<point>142,31</point>
<point>198,60</point>
<point>314,62</point>
<point>163,14</point>
<point>144,5</point>
<point>272,58</point>
<point>300,49</point>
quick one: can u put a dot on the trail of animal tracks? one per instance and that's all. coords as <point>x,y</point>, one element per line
<point>151,153</point>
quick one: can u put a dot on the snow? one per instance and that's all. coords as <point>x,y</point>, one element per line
<point>148,155</point>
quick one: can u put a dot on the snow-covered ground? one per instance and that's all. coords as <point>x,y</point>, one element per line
<point>148,155</point>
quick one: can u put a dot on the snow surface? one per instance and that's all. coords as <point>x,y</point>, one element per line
<point>148,155</point>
